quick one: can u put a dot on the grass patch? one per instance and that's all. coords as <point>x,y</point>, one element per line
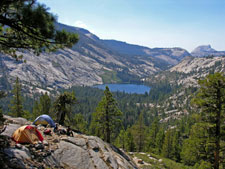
<point>110,77</point>
<point>156,163</point>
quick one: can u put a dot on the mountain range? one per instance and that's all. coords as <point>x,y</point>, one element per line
<point>91,61</point>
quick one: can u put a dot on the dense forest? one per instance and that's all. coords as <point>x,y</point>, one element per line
<point>134,122</point>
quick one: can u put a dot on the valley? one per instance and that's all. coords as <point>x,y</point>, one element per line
<point>160,110</point>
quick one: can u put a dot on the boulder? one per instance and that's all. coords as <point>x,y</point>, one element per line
<point>19,154</point>
<point>16,120</point>
<point>10,129</point>
<point>70,156</point>
<point>88,152</point>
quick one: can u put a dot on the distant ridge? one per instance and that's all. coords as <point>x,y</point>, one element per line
<point>91,61</point>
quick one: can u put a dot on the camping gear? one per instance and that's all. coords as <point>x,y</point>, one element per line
<point>27,134</point>
<point>44,120</point>
<point>47,132</point>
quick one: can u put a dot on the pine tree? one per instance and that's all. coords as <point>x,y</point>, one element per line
<point>211,101</point>
<point>167,145</point>
<point>159,140</point>
<point>194,148</point>
<point>106,118</point>
<point>139,133</point>
<point>176,145</point>
<point>27,25</point>
<point>36,110</point>
<point>63,104</point>
<point>129,140</point>
<point>121,139</point>
<point>153,133</point>
<point>42,106</point>
<point>79,123</point>
<point>16,107</point>
<point>45,104</point>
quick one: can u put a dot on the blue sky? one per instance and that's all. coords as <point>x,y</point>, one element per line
<point>152,23</point>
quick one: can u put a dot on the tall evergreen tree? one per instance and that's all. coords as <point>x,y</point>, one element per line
<point>129,139</point>
<point>194,148</point>
<point>211,101</point>
<point>79,123</point>
<point>139,133</point>
<point>36,110</point>
<point>63,104</point>
<point>168,144</point>
<point>106,120</point>
<point>42,106</point>
<point>45,104</point>
<point>159,140</point>
<point>176,144</point>
<point>16,107</point>
<point>121,139</point>
<point>153,133</point>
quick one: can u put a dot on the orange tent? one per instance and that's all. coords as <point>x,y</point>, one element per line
<point>27,134</point>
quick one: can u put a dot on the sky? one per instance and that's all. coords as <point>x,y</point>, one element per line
<point>152,23</point>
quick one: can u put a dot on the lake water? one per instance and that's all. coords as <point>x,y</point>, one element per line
<point>127,88</point>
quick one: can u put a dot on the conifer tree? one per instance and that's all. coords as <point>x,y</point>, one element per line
<point>27,25</point>
<point>129,139</point>
<point>194,148</point>
<point>211,101</point>
<point>45,104</point>
<point>159,140</point>
<point>139,133</point>
<point>153,133</point>
<point>106,118</point>
<point>176,145</point>
<point>42,106</point>
<point>36,110</point>
<point>121,139</point>
<point>16,107</point>
<point>167,145</point>
<point>79,123</point>
<point>63,104</point>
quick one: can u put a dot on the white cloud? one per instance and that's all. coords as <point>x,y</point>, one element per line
<point>80,24</point>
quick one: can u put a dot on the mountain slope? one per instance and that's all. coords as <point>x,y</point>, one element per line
<point>170,56</point>
<point>87,63</point>
<point>182,80</point>
<point>206,50</point>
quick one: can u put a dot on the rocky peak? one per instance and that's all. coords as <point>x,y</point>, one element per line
<point>206,50</point>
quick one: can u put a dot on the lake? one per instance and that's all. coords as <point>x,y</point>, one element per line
<point>127,88</point>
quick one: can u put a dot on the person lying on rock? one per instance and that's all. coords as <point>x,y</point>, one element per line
<point>56,129</point>
<point>69,132</point>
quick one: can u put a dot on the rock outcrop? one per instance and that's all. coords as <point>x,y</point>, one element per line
<point>206,50</point>
<point>60,151</point>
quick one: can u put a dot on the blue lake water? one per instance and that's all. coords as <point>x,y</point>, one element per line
<point>127,88</point>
